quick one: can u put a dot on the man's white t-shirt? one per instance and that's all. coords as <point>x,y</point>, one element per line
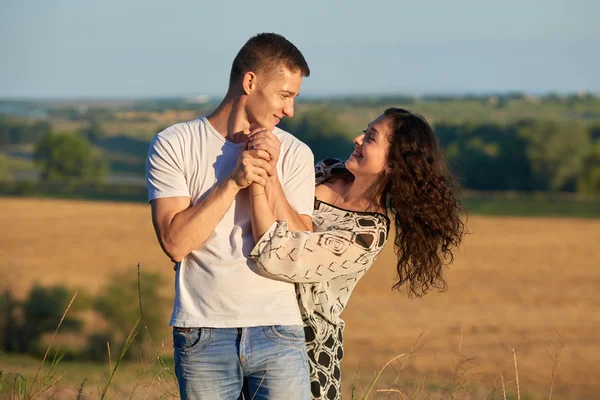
<point>214,285</point>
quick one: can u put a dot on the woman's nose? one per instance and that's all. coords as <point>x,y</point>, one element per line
<point>359,139</point>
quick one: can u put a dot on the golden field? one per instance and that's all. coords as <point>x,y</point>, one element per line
<point>515,283</point>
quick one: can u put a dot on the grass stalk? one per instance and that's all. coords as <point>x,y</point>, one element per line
<point>391,391</point>
<point>163,363</point>
<point>80,390</point>
<point>128,341</point>
<point>379,374</point>
<point>31,393</point>
<point>516,374</point>
<point>355,382</point>
<point>554,357</point>
<point>109,356</point>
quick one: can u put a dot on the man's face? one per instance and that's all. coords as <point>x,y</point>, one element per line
<point>273,98</point>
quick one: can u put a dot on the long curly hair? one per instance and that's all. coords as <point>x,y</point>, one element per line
<point>421,193</point>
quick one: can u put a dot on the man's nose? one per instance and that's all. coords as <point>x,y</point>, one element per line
<point>288,110</point>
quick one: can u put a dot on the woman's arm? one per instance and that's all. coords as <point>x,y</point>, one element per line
<point>308,257</point>
<point>261,213</point>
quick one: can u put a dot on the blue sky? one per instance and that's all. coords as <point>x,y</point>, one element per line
<point>138,48</point>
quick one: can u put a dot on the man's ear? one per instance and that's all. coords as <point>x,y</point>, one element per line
<point>249,82</point>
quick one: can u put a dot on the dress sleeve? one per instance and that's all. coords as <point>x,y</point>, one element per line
<point>308,257</point>
<point>327,168</point>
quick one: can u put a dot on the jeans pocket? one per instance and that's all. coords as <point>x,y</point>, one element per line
<point>192,340</point>
<point>286,334</point>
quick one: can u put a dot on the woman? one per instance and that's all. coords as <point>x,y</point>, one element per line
<point>397,169</point>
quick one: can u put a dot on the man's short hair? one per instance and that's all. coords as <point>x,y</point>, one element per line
<point>266,52</point>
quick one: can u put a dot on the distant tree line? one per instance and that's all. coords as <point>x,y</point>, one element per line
<point>526,155</point>
<point>321,130</point>
<point>18,131</point>
<point>59,157</point>
<point>5,175</point>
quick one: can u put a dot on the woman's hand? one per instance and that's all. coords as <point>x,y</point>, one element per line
<point>265,141</point>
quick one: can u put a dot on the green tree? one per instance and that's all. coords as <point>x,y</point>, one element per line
<point>556,152</point>
<point>589,180</point>
<point>4,172</point>
<point>19,131</point>
<point>24,323</point>
<point>486,156</point>
<point>68,157</point>
<point>94,132</point>
<point>322,132</point>
<point>595,132</point>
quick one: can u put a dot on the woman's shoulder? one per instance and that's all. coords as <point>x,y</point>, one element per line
<point>325,192</point>
<point>374,218</point>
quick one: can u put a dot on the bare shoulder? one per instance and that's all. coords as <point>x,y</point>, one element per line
<point>329,191</point>
<point>323,192</point>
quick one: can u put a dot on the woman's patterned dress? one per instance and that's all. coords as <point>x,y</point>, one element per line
<point>325,265</point>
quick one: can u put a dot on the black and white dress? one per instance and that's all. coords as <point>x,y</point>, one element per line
<point>325,265</point>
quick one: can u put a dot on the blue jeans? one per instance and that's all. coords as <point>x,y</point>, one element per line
<point>263,362</point>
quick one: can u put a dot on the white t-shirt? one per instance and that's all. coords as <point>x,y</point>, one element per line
<point>214,285</point>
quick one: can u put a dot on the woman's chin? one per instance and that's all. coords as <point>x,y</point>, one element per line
<point>351,164</point>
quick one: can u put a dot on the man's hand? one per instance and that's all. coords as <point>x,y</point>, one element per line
<point>264,140</point>
<point>252,166</point>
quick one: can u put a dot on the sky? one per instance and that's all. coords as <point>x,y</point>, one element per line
<point>148,48</point>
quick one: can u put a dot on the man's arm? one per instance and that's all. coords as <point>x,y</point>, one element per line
<point>182,228</point>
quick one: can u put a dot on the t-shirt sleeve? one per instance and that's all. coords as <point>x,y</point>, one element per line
<point>299,182</point>
<point>164,169</point>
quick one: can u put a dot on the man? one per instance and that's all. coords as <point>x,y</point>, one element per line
<point>234,331</point>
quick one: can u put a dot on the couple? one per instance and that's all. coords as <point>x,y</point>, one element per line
<point>258,294</point>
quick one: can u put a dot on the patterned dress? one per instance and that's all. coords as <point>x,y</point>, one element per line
<point>325,265</point>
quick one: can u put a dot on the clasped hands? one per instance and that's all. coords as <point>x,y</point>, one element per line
<point>258,162</point>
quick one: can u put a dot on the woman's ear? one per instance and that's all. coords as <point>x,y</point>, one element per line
<point>388,170</point>
<point>249,82</point>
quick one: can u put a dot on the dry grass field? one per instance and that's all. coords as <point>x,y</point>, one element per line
<point>515,283</point>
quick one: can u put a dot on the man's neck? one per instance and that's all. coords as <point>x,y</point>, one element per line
<point>230,119</point>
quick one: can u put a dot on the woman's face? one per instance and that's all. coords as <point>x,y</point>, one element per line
<point>371,149</point>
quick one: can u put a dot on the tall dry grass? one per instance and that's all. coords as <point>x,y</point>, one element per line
<point>515,283</point>
<point>46,381</point>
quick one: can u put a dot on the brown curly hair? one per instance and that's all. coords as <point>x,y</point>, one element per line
<point>421,193</point>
